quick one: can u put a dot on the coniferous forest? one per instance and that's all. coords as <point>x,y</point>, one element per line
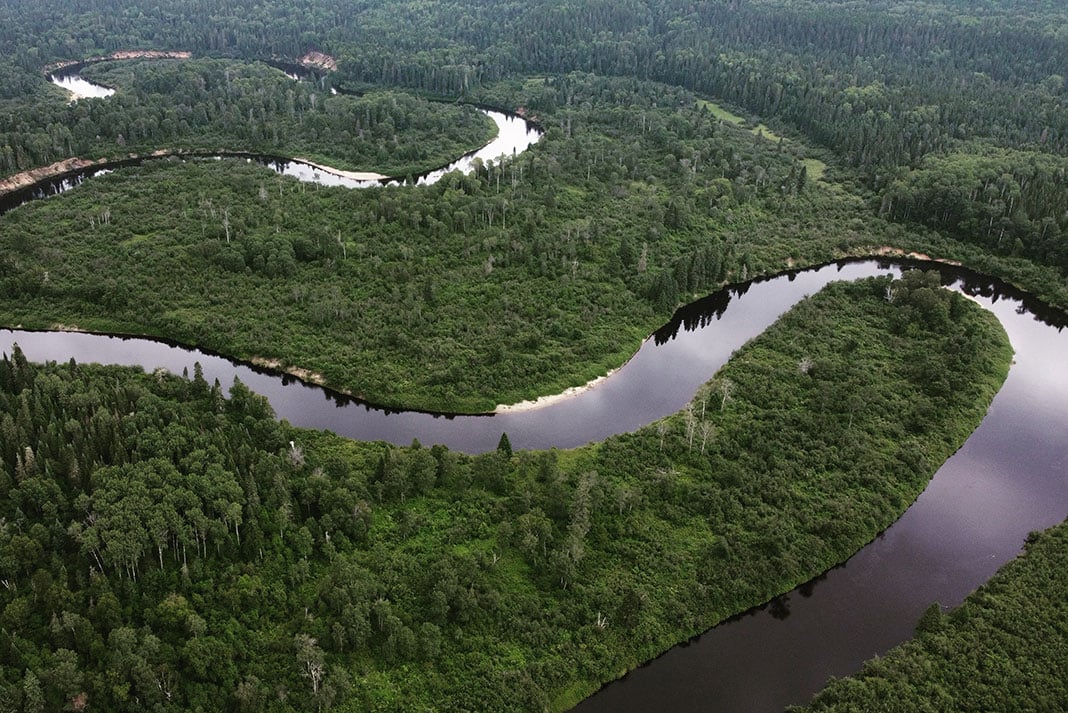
<point>167,544</point>
<point>170,545</point>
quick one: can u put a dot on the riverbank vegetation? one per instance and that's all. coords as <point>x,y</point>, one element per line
<point>943,131</point>
<point>221,105</point>
<point>1005,648</point>
<point>878,89</point>
<point>522,279</point>
<point>165,547</point>
<point>556,262</point>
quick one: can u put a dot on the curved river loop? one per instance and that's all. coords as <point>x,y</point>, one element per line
<point>1009,478</point>
<point>514,135</point>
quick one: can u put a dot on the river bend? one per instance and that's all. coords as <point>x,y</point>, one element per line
<point>1009,478</point>
<point>514,136</point>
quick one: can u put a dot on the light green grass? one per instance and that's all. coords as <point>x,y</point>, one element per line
<point>730,117</point>
<point>815,167</point>
<point>721,113</point>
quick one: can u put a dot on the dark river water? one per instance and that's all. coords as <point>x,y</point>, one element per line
<point>514,135</point>
<point>1008,479</point>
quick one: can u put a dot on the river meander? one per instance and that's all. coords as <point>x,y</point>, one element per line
<point>1009,478</point>
<point>514,135</point>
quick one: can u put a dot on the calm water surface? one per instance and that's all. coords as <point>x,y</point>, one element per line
<point>514,135</point>
<point>1009,478</point>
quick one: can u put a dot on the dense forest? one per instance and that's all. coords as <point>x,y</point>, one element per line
<point>214,104</point>
<point>880,89</point>
<point>558,261</point>
<point>166,546</point>
<point>1003,649</point>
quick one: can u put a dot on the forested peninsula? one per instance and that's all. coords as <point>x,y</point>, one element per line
<point>557,262</point>
<point>206,105</point>
<point>169,546</point>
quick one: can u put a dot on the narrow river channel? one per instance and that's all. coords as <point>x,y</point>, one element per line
<point>514,134</point>
<point>1010,477</point>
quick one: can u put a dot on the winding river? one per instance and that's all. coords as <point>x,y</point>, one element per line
<point>514,135</point>
<point>1008,479</point>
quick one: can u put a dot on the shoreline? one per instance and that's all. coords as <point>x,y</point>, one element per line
<point>311,377</point>
<point>76,95</point>
<point>318,60</point>
<point>121,54</point>
<point>306,375</point>
<point>887,251</point>
<point>352,175</point>
<point>312,60</point>
<point>27,178</point>
<point>550,399</point>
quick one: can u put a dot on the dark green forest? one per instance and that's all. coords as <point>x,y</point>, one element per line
<point>1002,649</point>
<point>217,105</point>
<point>557,262</point>
<point>168,545</point>
<point>887,129</point>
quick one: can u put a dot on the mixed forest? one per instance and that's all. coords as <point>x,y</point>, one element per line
<point>211,105</point>
<point>1003,649</point>
<point>167,544</point>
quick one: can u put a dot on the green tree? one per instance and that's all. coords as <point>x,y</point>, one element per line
<point>504,446</point>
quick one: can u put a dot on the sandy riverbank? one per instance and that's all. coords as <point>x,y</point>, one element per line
<point>33,175</point>
<point>543,401</point>
<point>319,60</point>
<point>351,175</point>
<point>122,54</point>
<point>305,375</point>
<point>887,251</point>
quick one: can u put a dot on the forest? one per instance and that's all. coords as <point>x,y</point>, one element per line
<point>558,261</point>
<point>1003,649</point>
<point>532,260</point>
<point>687,145</point>
<point>168,545</point>
<point>214,104</point>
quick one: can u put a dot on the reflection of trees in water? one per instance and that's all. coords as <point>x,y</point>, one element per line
<point>700,314</point>
<point>695,315</point>
<point>779,607</point>
<point>807,589</point>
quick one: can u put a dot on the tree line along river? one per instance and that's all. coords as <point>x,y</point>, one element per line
<point>1007,480</point>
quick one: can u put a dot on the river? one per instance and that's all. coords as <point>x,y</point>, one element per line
<point>1008,479</point>
<point>514,136</point>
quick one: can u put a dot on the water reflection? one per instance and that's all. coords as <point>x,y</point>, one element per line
<point>514,136</point>
<point>696,315</point>
<point>1007,479</point>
